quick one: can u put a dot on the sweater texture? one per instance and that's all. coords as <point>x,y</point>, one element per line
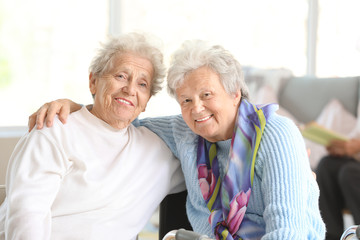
<point>285,195</point>
<point>86,180</point>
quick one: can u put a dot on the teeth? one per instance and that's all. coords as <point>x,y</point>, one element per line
<point>203,119</point>
<point>123,101</point>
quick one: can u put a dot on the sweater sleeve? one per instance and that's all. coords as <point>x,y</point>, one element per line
<point>290,192</point>
<point>169,129</point>
<point>35,170</point>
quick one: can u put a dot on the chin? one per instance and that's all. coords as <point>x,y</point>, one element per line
<point>206,135</point>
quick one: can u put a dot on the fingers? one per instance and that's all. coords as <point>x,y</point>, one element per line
<point>64,113</point>
<point>336,151</point>
<point>338,143</point>
<point>32,121</point>
<point>41,115</point>
<point>52,109</point>
<point>47,112</point>
<point>38,117</point>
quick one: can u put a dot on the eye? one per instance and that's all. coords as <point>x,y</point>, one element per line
<point>187,100</point>
<point>206,95</point>
<point>121,76</point>
<point>143,84</point>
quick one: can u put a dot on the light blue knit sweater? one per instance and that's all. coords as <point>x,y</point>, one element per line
<point>284,197</point>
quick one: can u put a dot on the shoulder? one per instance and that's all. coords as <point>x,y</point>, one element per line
<point>144,136</point>
<point>281,132</point>
<point>57,125</point>
<point>168,125</point>
<point>58,130</point>
<point>174,121</point>
<point>279,127</point>
<point>143,133</point>
<point>281,143</point>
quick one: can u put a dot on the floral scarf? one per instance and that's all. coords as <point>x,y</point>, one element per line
<point>227,198</point>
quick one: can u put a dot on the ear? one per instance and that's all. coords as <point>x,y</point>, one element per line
<point>237,97</point>
<point>92,83</point>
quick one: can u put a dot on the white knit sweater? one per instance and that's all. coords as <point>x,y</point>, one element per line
<point>86,180</point>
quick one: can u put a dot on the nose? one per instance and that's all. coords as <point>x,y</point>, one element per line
<point>130,88</point>
<point>197,106</point>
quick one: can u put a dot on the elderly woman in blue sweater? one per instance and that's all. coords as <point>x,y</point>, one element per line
<point>246,168</point>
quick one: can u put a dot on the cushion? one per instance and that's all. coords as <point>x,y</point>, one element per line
<point>299,93</point>
<point>2,194</point>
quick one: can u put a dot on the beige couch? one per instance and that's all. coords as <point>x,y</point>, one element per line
<point>2,193</point>
<point>9,136</point>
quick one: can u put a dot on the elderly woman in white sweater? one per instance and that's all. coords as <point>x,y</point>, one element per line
<point>97,177</point>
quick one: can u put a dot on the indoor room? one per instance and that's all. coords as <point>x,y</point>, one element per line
<point>303,55</point>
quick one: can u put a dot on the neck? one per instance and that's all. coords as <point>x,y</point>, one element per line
<point>106,118</point>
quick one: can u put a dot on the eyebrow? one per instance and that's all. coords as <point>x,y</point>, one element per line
<point>182,96</point>
<point>128,71</point>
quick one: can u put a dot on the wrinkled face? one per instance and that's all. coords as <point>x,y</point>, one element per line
<point>206,107</point>
<point>122,93</point>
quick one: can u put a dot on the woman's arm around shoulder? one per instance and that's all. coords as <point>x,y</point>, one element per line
<point>46,113</point>
<point>171,129</point>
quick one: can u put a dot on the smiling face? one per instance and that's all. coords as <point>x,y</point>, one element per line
<point>206,107</point>
<point>122,93</point>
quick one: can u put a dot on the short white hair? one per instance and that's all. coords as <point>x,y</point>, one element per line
<point>143,45</point>
<point>194,54</point>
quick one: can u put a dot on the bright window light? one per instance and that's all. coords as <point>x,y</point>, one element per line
<point>45,50</point>
<point>46,46</point>
<point>338,51</point>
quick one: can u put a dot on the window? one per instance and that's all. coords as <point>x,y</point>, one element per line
<point>46,46</point>
<point>45,50</point>
<point>338,45</point>
<point>261,33</point>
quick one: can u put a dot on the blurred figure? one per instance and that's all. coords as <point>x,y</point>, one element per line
<point>338,176</point>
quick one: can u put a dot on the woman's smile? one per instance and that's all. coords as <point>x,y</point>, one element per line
<point>124,101</point>
<point>206,107</point>
<point>122,93</point>
<point>204,118</point>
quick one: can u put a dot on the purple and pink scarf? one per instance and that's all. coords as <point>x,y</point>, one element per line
<point>227,197</point>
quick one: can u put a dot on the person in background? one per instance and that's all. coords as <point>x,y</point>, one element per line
<point>98,176</point>
<point>246,168</point>
<point>338,175</point>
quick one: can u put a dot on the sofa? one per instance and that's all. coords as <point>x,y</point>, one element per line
<point>306,97</point>
<point>332,102</point>
<point>9,136</point>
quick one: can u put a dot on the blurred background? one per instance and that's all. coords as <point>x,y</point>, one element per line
<point>46,46</point>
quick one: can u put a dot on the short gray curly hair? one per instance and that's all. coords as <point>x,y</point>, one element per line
<point>135,43</point>
<point>194,54</point>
